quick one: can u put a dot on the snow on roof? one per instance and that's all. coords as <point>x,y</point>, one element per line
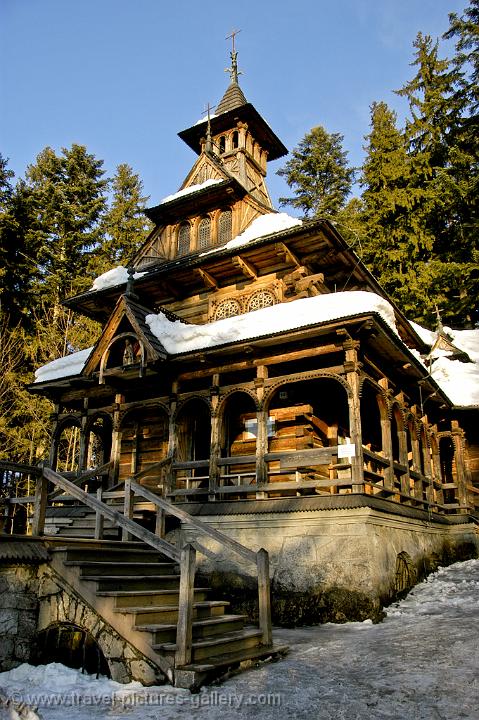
<point>191,189</point>
<point>459,380</point>
<point>176,337</point>
<point>262,226</point>
<point>116,276</point>
<point>63,367</point>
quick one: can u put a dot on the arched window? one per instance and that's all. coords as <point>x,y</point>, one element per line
<point>224,226</point>
<point>235,139</point>
<point>222,144</point>
<point>184,239</point>
<point>204,233</point>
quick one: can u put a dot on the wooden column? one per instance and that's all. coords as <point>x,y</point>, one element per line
<point>461,472</point>
<point>352,369</point>
<point>83,438</point>
<point>172,438</point>
<point>262,429</point>
<point>128,509</point>
<point>115,440</point>
<point>53,447</point>
<point>215,438</point>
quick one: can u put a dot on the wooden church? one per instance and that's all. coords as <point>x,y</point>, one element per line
<point>252,373</point>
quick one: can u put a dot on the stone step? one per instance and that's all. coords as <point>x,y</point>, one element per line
<point>213,626</point>
<point>108,568</point>
<point>158,598</point>
<point>168,614</point>
<point>133,582</point>
<point>203,649</point>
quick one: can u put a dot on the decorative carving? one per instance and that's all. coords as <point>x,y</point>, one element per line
<point>260,299</point>
<point>227,308</point>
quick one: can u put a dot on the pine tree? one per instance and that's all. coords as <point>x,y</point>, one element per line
<point>69,196</point>
<point>442,273</point>
<point>125,225</point>
<point>319,175</point>
<point>392,241</point>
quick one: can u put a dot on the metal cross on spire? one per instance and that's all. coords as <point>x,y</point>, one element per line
<point>209,144</point>
<point>233,70</point>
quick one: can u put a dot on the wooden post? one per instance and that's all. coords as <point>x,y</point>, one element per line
<point>214,451</point>
<point>160,523</point>
<point>184,630</point>
<point>351,367</point>
<point>461,472</point>
<point>264,597</point>
<point>128,508</point>
<point>115,441</point>
<point>99,521</point>
<point>40,505</point>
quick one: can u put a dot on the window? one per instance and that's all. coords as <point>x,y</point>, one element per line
<point>222,144</point>
<point>227,309</point>
<point>204,233</point>
<point>184,239</point>
<point>235,139</point>
<point>224,227</point>
<point>260,299</point>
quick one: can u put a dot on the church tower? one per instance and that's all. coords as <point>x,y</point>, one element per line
<point>225,190</point>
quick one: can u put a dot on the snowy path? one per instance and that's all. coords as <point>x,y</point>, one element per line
<point>421,663</point>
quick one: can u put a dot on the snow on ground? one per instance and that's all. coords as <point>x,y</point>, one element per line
<point>177,337</point>
<point>420,663</point>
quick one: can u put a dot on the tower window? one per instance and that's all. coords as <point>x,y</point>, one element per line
<point>225,226</point>
<point>235,139</point>
<point>222,144</point>
<point>184,239</point>
<point>204,233</point>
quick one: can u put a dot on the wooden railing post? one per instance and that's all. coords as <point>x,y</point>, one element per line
<point>128,508</point>
<point>40,505</point>
<point>99,520</point>
<point>184,631</point>
<point>264,597</point>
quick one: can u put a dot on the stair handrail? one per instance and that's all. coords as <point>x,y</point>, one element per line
<point>186,558</point>
<point>259,558</point>
<point>93,502</point>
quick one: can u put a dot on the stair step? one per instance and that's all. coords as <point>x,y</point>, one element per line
<point>230,642</point>
<point>126,599</point>
<point>224,660</point>
<point>163,633</point>
<point>133,582</point>
<point>114,569</point>
<point>202,610</point>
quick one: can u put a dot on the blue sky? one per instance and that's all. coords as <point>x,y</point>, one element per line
<point>124,76</point>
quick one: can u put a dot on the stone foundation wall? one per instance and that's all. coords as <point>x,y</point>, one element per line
<point>18,613</point>
<point>330,565</point>
<point>35,597</point>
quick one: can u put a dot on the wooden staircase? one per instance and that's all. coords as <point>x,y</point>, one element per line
<point>145,589</point>
<point>138,590</point>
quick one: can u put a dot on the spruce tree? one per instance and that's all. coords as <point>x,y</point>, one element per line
<point>319,175</point>
<point>125,225</point>
<point>69,196</point>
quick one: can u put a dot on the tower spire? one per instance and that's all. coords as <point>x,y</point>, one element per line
<point>233,70</point>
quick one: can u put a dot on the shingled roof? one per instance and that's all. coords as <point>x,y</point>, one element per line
<point>232,99</point>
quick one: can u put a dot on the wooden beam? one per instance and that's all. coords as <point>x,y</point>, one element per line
<point>271,360</point>
<point>283,249</point>
<point>208,279</point>
<point>247,267</point>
